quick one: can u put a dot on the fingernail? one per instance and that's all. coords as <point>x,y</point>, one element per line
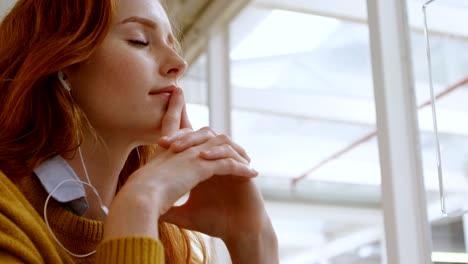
<point>177,91</point>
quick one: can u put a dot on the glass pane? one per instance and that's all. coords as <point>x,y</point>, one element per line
<point>303,107</point>
<point>447,21</point>
<point>195,86</point>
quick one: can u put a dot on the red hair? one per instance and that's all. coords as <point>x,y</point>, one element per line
<point>38,119</point>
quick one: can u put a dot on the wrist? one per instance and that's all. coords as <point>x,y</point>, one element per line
<point>132,215</point>
<point>259,247</point>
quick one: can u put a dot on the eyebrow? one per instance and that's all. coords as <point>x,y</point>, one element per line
<point>140,20</point>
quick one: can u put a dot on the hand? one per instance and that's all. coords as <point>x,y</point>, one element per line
<point>155,187</point>
<point>227,207</point>
<point>222,206</point>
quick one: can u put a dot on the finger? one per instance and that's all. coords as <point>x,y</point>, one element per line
<point>171,120</point>
<point>224,139</point>
<point>230,166</point>
<point>222,152</point>
<point>166,141</point>
<point>240,150</point>
<point>193,139</point>
<point>185,122</point>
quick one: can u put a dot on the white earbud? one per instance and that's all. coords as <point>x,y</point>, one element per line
<point>62,80</point>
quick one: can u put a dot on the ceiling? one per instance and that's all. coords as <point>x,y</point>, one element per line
<point>185,12</point>
<point>5,5</point>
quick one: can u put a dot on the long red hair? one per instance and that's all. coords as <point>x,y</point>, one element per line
<point>38,120</point>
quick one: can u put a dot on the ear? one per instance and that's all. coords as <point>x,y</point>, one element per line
<point>70,72</point>
<point>67,72</point>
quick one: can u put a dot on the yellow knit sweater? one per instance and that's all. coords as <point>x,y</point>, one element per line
<point>24,237</point>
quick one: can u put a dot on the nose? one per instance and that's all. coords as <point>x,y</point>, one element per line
<point>174,65</point>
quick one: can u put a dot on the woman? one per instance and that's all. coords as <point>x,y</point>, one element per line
<point>87,89</point>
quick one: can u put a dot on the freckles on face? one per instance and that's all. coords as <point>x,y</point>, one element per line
<point>126,74</point>
<point>113,86</point>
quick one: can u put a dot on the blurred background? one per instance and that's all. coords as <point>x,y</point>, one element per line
<point>291,81</point>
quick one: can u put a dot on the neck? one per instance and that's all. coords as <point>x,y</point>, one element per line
<point>104,161</point>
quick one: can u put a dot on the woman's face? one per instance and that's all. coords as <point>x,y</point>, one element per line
<point>117,87</point>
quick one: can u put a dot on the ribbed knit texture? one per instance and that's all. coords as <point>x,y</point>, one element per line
<point>129,250</point>
<point>24,237</point>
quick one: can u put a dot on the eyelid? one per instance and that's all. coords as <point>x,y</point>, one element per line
<point>138,42</point>
<point>136,36</point>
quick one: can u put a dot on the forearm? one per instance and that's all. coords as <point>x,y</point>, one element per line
<point>259,248</point>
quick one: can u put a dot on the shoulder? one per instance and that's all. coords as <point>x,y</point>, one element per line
<point>21,226</point>
<point>11,198</point>
<point>17,222</point>
<point>15,210</point>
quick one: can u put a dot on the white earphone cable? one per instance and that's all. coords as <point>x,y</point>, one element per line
<point>60,76</point>
<point>47,220</point>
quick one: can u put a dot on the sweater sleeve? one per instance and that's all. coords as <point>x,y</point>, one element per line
<point>24,237</point>
<point>134,250</point>
<point>20,228</point>
<point>6,258</point>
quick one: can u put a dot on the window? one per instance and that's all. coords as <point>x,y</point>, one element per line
<point>194,84</point>
<point>303,107</point>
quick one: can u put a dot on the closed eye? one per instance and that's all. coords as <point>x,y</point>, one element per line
<point>138,43</point>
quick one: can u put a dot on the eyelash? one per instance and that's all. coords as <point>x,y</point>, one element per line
<point>138,43</point>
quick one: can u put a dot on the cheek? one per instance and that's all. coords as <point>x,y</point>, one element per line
<point>125,70</point>
<point>117,69</point>
<point>113,87</point>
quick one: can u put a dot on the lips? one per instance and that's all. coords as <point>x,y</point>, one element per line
<point>165,90</point>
